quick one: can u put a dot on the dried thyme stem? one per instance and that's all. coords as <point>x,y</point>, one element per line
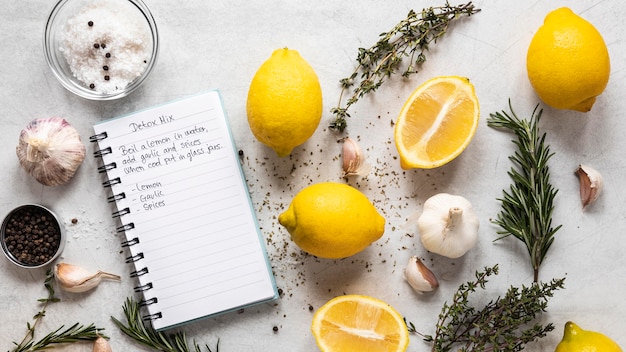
<point>409,38</point>
<point>504,324</point>
<point>528,205</point>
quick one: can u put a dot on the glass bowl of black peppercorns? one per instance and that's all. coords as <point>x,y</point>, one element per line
<point>32,236</point>
<point>101,49</point>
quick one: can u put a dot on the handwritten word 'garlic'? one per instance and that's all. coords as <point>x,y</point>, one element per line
<point>50,150</point>
<point>419,276</point>
<point>73,278</point>
<point>591,184</point>
<point>448,225</point>
<point>101,345</point>
<point>354,163</point>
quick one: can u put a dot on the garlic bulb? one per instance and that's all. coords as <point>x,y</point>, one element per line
<point>448,225</point>
<point>354,163</point>
<point>419,276</point>
<point>73,278</point>
<point>591,184</point>
<point>101,345</point>
<point>50,150</point>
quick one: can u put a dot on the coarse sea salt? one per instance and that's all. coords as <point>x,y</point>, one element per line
<point>107,45</point>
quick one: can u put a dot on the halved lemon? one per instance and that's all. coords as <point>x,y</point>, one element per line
<point>359,323</point>
<point>437,122</point>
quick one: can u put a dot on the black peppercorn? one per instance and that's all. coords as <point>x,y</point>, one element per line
<point>90,23</point>
<point>31,235</point>
<point>96,45</point>
<point>103,45</point>
<point>107,55</point>
<point>105,67</point>
<point>92,86</point>
<point>106,78</point>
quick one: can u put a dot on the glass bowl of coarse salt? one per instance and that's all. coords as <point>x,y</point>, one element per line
<point>101,49</point>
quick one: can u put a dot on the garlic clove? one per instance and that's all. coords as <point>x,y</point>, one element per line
<point>419,277</point>
<point>50,150</point>
<point>591,184</point>
<point>101,345</point>
<point>353,159</point>
<point>73,278</point>
<point>448,225</point>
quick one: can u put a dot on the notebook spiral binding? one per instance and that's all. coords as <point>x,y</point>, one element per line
<point>125,227</point>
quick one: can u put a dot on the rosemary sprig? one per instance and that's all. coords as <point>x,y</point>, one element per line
<point>409,38</point>
<point>528,205</point>
<point>145,335</point>
<point>75,333</point>
<point>501,325</point>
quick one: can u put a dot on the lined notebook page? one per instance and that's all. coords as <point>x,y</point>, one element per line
<point>186,202</point>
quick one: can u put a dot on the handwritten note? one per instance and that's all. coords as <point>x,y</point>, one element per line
<point>184,205</point>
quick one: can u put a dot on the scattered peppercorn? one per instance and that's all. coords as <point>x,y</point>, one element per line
<point>107,55</point>
<point>106,78</point>
<point>92,86</point>
<point>310,308</point>
<point>74,221</point>
<point>96,45</point>
<point>103,45</point>
<point>275,328</point>
<point>105,67</point>
<point>31,235</point>
<point>90,23</point>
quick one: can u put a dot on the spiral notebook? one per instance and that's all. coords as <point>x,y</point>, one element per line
<point>185,209</point>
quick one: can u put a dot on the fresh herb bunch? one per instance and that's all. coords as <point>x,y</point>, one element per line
<point>528,205</point>
<point>75,333</point>
<point>409,38</point>
<point>145,334</point>
<point>501,325</point>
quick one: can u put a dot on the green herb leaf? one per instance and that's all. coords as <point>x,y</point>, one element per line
<point>504,324</point>
<point>145,334</point>
<point>410,39</point>
<point>527,206</point>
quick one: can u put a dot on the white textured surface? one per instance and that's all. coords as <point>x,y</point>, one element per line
<point>220,44</point>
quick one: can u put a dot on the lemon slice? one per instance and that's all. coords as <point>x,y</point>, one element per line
<point>359,323</point>
<point>437,122</point>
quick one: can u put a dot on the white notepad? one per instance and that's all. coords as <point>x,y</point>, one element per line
<point>184,207</point>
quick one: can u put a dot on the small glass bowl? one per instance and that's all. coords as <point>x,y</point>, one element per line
<point>53,36</point>
<point>55,238</point>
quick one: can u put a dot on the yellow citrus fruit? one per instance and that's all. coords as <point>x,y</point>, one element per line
<point>284,103</point>
<point>332,220</point>
<point>437,122</point>
<point>568,62</point>
<point>359,323</point>
<point>576,339</point>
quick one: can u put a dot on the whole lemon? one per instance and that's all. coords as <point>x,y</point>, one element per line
<point>284,102</point>
<point>576,339</point>
<point>568,62</point>
<point>332,220</point>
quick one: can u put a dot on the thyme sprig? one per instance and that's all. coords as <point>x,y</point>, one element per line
<point>504,324</point>
<point>147,336</point>
<point>62,335</point>
<point>409,38</point>
<point>527,207</point>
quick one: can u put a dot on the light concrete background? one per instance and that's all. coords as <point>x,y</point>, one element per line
<point>219,45</point>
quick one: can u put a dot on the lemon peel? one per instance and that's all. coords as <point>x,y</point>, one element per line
<point>332,220</point>
<point>568,61</point>
<point>576,339</point>
<point>284,103</point>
